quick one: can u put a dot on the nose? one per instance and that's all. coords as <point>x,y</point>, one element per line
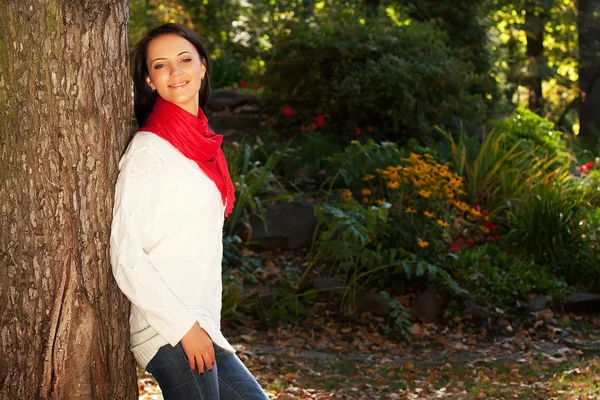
<point>176,70</point>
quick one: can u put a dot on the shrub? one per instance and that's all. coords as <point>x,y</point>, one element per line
<point>535,135</point>
<point>399,79</point>
<point>499,169</point>
<point>549,225</point>
<point>494,276</point>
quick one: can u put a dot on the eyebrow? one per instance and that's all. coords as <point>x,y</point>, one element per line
<point>162,58</point>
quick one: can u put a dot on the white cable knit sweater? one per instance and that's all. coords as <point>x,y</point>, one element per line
<point>166,245</point>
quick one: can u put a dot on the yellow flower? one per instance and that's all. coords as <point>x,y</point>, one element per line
<point>366,192</point>
<point>428,214</point>
<point>410,210</point>
<point>443,224</point>
<point>368,177</point>
<point>346,194</point>
<point>475,213</point>
<point>365,200</point>
<point>424,193</point>
<point>393,184</point>
<point>422,243</point>
<point>484,229</point>
<point>380,201</point>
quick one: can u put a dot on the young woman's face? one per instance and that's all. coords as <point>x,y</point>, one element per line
<point>175,71</point>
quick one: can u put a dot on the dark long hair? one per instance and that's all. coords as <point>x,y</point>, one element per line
<point>143,96</point>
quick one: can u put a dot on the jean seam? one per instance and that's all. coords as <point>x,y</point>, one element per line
<point>190,372</point>
<point>232,389</point>
<point>196,384</point>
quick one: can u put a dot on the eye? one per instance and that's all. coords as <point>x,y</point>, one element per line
<point>159,66</point>
<point>186,60</point>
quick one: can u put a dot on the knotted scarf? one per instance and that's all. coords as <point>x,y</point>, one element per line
<point>194,139</point>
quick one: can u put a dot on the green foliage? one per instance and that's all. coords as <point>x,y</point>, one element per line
<point>285,305</point>
<point>232,310</point>
<point>359,159</point>
<point>499,169</point>
<point>398,78</point>
<point>547,224</point>
<point>539,138</point>
<point>251,178</point>
<point>466,30</point>
<point>558,67</point>
<point>232,254</point>
<point>352,239</point>
<point>227,70</point>
<point>308,153</point>
<point>495,276</point>
<point>399,315</point>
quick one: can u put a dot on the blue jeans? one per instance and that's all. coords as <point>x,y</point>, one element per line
<point>229,379</point>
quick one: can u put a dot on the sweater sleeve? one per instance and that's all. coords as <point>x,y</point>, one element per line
<point>136,195</point>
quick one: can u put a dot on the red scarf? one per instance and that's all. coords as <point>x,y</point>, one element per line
<point>194,139</point>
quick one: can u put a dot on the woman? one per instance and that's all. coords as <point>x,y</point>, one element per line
<point>171,198</point>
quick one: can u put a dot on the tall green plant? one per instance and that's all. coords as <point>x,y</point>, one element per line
<point>497,170</point>
<point>546,223</point>
<point>251,177</point>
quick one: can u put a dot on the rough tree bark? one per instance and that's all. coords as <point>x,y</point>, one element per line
<point>589,69</point>
<point>65,113</point>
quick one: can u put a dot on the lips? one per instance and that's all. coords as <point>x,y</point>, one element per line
<point>179,85</point>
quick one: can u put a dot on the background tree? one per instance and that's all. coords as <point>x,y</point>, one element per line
<point>589,75</point>
<point>66,114</point>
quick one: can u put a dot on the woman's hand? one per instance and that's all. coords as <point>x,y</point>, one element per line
<point>198,348</point>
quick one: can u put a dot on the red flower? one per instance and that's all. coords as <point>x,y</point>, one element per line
<point>497,237</point>
<point>357,131</point>
<point>319,120</point>
<point>586,167</point>
<point>314,126</point>
<point>302,128</point>
<point>243,83</point>
<point>288,111</point>
<point>454,247</point>
<point>471,243</point>
<point>370,129</point>
<point>490,225</point>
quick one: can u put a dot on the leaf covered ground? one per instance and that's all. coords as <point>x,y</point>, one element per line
<point>329,357</point>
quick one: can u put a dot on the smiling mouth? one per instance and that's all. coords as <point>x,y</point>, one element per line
<point>179,85</point>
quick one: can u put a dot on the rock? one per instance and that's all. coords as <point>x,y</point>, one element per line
<point>374,303</point>
<point>290,225</point>
<point>583,302</point>
<point>235,127</point>
<point>328,289</point>
<point>221,99</point>
<point>428,306</point>
<point>539,302</point>
<point>476,312</point>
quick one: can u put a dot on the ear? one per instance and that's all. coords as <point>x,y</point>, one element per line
<point>203,73</point>
<point>149,82</point>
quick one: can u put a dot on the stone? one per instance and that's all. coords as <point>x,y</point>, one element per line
<point>539,302</point>
<point>235,127</point>
<point>221,99</point>
<point>583,302</point>
<point>476,312</point>
<point>428,306</point>
<point>328,289</point>
<point>290,227</point>
<point>374,303</point>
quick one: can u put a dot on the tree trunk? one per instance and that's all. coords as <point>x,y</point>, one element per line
<point>589,69</point>
<point>535,19</point>
<point>65,115</point>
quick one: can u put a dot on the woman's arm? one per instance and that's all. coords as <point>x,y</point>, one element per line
<point>136,196</point>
